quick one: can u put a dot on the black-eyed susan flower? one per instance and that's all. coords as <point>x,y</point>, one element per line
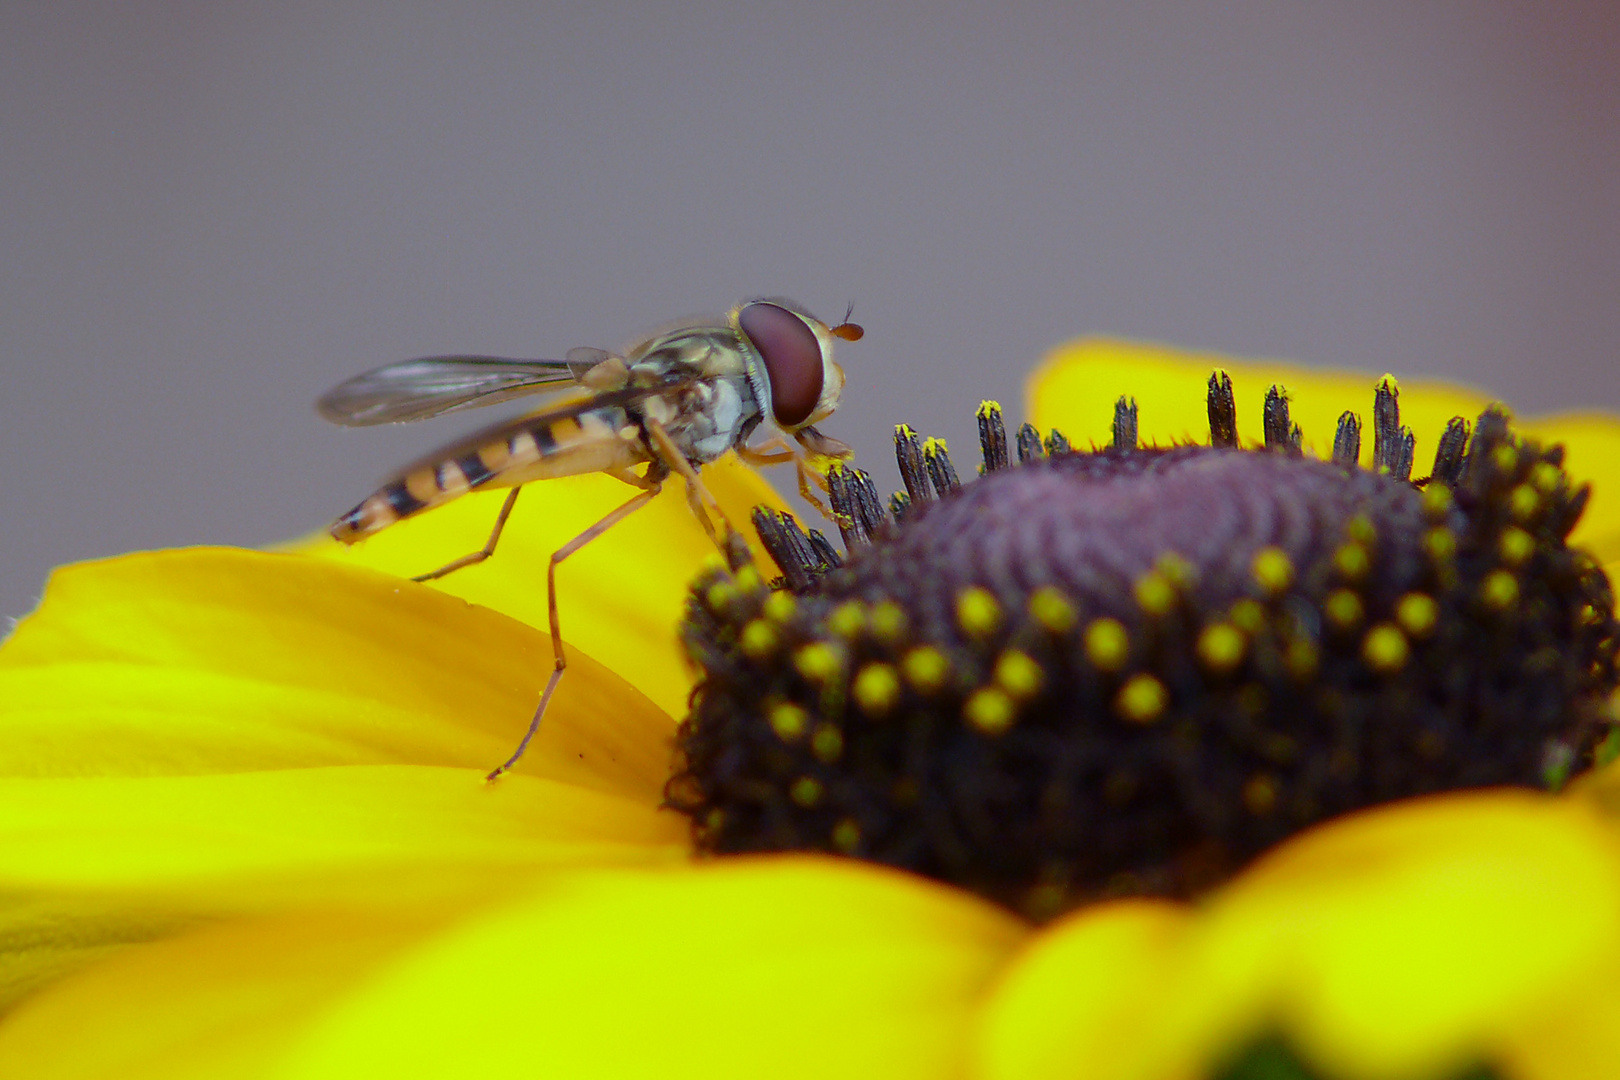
<point>244,830</point>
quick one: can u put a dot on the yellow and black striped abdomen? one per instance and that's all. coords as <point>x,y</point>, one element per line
<point>516,452</point>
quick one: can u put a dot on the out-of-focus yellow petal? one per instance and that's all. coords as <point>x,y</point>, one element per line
<point>217,660</point>
<point>1406,939</point>
<point>1411,940</point>
<point>91,864</point>
<point>1592,455</point>
<point>225,1001</point>
<point>620,597</point>
<point>1100,994</point>
<point>1076,386</point>
<point>780,967</point>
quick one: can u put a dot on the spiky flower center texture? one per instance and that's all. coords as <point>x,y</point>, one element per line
<point>1130,670</point>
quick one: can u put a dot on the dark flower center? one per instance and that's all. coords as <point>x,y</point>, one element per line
<point>1131,670</point>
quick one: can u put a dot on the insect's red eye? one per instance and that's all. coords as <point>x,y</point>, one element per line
<point>792,358</point>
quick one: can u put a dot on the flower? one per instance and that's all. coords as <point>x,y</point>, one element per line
<point>244,832</point>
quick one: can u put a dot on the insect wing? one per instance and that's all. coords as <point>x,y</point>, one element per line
<point>435,385</point>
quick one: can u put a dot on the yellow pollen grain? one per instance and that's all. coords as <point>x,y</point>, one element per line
<point>788,720</point>
<point>1019,675</point>
<point>1049,607</point>
<point>846,835</point>
<point>1352,561</point>
<point>1221,647</point>
<point>888,622</point>
<point>1505,458</point>
<point>1418,614</point>
<point>1248,616</point>
<point>1273,570</point>
<point>1500,590</point>
<point>1516,546</point>
<point>1260,794</point>
<point>760,639</point>
<point>1524,502</point>
<point>1142,699</point>
<point>933,446</point>
<point>719,596</point>
<point>925,667</point>
<point>780,606</point>
<point>989,710</point>
<point>1342,608</point>
<point>988,407</point>
<point>1546,477</point>
<point>1436,500</point>
<point>848,619</point>
<point>1154,594</point>
<point>877,689</point>
<point>1385,649</point>
<point>1361,530</point>
<point>817,661</point>
<point>1180,573</point>
<point>806,791</point>
<point>1107,644</point>
<point>977,612</point>
<point>748,580</point>
<point>1441,544</point>
<point>827,743</point>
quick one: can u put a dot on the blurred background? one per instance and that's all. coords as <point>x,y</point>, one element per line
<point>210,212</point>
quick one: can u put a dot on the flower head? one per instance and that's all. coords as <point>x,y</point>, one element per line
<point>244,832</point>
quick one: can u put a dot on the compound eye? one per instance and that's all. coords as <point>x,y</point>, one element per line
<point>792,356</point>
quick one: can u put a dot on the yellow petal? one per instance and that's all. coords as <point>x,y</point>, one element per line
<point>781,967</point>
<point>1076,386</point>
<point>215,660</point>
<point>225,1001</point>
<point>1411,940</point>
<point>104,861</point>
<point>1407,938</point>
<point>620,597</point>
<point>1100,994</point>
<point>1592,455</point>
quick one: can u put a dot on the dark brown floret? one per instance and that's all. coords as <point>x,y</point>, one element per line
<point>1132,669</point>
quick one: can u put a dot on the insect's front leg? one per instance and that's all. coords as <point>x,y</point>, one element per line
<point>697,494</point>
<point>777,452</point>
<point>561,658</point>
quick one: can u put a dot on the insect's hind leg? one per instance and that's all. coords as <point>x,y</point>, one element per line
<point>476,557</point>
<point>558,556</point>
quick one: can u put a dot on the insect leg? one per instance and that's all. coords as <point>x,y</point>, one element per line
<point>483,553</point>
<point>636,503</point>
<point>697,495</point>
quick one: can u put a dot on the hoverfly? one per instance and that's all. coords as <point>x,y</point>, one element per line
<point>671,403</point>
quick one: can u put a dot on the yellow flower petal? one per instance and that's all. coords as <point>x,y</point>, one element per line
<point>1404,941</point>
<point>620,597</point>
<point>780,967</point>
<point>1076,386</point>
<point>215,660</point>
<point>108,861</point>
<point>225,1001</point>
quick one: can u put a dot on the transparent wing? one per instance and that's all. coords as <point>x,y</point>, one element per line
<point>435,385</point>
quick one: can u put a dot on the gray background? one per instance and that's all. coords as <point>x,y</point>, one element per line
<point>209,212</point>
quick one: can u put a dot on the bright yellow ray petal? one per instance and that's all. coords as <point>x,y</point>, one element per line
<point>214,660</point>
<point>1102,994</point>
<point>1406,940</point>
<point>620,598</point>
<point>226,1001</point>
<point>91,864</point>
<point>1592,455</point>
<point>781,967</point>
<point>1411,940</point>
<point>1077,384</point>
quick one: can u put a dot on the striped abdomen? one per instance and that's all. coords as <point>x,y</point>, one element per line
<point>532,448</point>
